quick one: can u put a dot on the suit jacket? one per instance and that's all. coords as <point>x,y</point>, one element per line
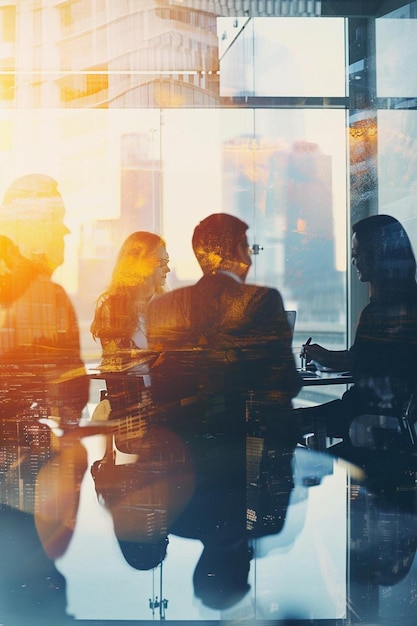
<point>223,341</point>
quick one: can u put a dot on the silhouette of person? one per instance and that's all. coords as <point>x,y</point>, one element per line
<point>139,276</point>
<point>41,377</point>
<point>382,362</point>
<point>221,344</point>
<point>382,357</point>
<point>142,469</point>
<point>240,329</point>
<point>146,494</point>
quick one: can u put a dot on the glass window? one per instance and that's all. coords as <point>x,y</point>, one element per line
<point>395,49</point>
<point>8,23</point>
<point>282,57</point>
<point>397,145</point>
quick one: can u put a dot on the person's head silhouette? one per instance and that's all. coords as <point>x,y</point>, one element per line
<point>220,243</point>
<point>31,215</point>
<point>382,253</point>
<point>139,275</point>
<point>142,263</point>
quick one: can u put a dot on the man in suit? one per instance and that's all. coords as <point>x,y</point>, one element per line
<point>224,358</point>
<point>222,335</point>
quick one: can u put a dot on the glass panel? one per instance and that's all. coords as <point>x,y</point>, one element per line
<point>395,54</point>
<point>286,180</point>
<point>284,172</point>
<point>397,161</point>
<point>282,57</point>
<point>164,171</point>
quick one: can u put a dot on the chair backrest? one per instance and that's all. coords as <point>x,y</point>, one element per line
<point>377,427</point>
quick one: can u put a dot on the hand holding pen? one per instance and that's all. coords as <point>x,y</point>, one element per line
<point>303,354</point>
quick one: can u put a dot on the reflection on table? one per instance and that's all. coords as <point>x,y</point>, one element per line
<point>285,573</point>
<point>298,570</point>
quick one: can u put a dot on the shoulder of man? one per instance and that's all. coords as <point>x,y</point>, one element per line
<point>168,308</point>
<point>265,296</point>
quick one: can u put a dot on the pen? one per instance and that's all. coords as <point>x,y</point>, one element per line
<point>303,355</point>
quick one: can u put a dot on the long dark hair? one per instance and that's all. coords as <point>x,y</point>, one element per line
<point>391,253</point>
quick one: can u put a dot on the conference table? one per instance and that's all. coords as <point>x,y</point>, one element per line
<point>311,377</point>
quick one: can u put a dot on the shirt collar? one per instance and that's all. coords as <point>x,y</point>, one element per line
<point>231,274</point>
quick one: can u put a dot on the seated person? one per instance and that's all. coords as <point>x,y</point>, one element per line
<point>224,357</point>
<point>382,357</point>
<point>138,277</point>
<point>221,340</point>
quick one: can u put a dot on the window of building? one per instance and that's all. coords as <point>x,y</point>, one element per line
<point>8,23</point>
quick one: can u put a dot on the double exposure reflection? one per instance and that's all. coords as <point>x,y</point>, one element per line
<point>145,476</point>
<point>181,388</point>
<point>42,380</point>
<point>375,419</point>
<point>221,345</point>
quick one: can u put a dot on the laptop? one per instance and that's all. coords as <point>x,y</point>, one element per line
<point>291,316</point>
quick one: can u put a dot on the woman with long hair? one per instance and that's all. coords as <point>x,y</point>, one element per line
<point>139,275</point>
<point>134,479</point>
<point>382,357</point>
<point>375,417</point>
